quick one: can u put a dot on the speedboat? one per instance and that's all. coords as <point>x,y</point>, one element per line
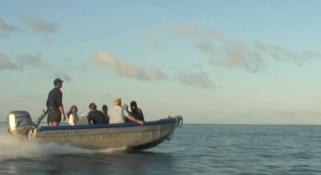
<point>123,135</point>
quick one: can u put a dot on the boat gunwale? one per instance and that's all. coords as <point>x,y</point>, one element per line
<point>103,126</point>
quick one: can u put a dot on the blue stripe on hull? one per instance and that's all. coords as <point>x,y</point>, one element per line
<point>119,125</point>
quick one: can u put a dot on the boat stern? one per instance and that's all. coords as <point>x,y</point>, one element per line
<point>19,122</point>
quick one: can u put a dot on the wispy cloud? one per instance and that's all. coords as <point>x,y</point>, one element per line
<point>126,69</point>
<point>63,76</point>
<point>239,54</point>
<point>40,26</point>
<point>30,59</point>
<point>25,97</point>
<point>151,40</point>
<point>281,53</point>
<point>6,27</point>
<point>233,53</point>
<point>184,30</point>
<point>6,63</point>
<point>34,62</point>
<point>196,79</point>
<point>249,56</point>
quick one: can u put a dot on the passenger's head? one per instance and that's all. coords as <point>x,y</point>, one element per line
<point>133,105</point>
<point>105,108</point>
<point>74,108</point>
<point>58,82</point>
<point>117,101</point>
<point>92,106</point>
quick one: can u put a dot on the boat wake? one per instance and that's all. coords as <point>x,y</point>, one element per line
<point>19,148</point>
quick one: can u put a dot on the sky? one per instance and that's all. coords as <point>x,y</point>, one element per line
<point>211,61</point>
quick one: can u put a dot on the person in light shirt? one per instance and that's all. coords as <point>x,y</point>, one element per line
<point>118,114</point>
<point>73,117</point>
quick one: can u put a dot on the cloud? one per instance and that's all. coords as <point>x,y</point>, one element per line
<point>63,76</point>
<point>196,79</point>
<point>6,63</point>
<point>233,53</point>
<point>249,56</point>
<point>185,30</point>
<point>151,40</point>
<point>126,69</point>
<point>6,27</point>
<point>29,59</point>
<point>40,26</point>
<point>280,53</point>
<point>239,54</point>
<point>25,97</point>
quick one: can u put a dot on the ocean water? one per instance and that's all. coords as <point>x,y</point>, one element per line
<point>194,149</point>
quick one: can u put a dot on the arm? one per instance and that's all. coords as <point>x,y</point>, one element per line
<point>61,107</point>
<point>143,118</point>
<point>131,118</point>
<point>89,118</point>
<point>62,112</point>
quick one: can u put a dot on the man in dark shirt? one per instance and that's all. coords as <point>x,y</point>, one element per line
<point>136,111</point>
<point>95,117</point>
<point>54,104</point>
<point>105,111</point>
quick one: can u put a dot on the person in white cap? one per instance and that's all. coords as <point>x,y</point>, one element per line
<point>118,114</point>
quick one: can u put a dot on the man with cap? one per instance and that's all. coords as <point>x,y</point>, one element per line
<point>95,117</point>
<point>118,114</point>
<point>54,104</point>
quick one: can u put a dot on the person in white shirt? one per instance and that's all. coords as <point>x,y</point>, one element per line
<point>73,117</point>
<point>118,114</point>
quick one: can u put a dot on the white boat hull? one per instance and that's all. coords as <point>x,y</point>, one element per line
<point>128,135</point>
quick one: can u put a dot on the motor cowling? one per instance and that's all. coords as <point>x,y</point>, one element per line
<point>19,122</point>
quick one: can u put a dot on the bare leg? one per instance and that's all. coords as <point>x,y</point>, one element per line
<point>53,124</point>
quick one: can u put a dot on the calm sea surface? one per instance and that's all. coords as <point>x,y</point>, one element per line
<point>194,149</point>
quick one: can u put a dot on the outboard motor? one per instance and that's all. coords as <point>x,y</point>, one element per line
<point>19,122</point>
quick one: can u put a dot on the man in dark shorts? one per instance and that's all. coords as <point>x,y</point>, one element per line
<point>54,104</point>
<point>94,116</point>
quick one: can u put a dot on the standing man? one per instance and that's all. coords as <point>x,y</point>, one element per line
<point>54,104</point>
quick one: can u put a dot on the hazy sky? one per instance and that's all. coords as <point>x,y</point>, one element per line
<point>227,61</point>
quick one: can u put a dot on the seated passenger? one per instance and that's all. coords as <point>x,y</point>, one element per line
<point>125,107</point>
<point>105,111</point>
<point>73,117</point>
<point>95,117</point>
<point>118,114</point>
<point>136,111</point>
